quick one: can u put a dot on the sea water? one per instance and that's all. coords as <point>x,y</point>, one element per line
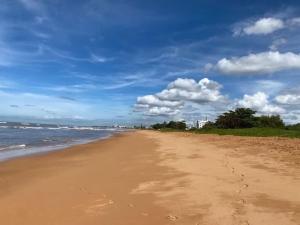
<point>18,139</point>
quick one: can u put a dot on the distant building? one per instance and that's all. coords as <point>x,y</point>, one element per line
<point>201,123</point>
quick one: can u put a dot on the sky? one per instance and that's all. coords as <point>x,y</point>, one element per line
<point>141,61</point>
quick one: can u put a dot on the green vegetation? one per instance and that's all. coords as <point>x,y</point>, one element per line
<point>179,125</point>
<point>270,121</point>
<point>294,127</point>
<point>255,132</point>
<point>245,118</point>
<point>240,122</point>
<point>240,118</point>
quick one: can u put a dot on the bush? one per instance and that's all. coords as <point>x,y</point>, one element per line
<point>270,121</point>
<point>180,125</point>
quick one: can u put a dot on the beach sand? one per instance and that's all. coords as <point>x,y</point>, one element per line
<point>148,177</point>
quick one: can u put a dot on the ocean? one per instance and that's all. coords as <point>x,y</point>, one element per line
<point>19,139</point>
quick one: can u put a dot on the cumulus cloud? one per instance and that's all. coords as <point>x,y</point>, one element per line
<point>260,102</point>
<point>172,99</point>
<point>265,26</point>
<point>289,99</point>
<point>262,26</point>
<point>162,111</point>
<point>153,100</point>
<point>189,90</point>
<point>260,63</point>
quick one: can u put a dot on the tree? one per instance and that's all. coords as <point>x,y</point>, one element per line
<point>270,121</point>
<point>178,125</point>
<point>240,118</point>
<point>157,126</point>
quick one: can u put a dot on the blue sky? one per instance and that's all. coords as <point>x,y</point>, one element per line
<point>103,62</point>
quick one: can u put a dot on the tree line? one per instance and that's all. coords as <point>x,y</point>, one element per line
<point>177,125</point>
<point>245,118</point>
<point>233,119</point>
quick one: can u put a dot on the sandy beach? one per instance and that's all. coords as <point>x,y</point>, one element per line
<point>148,177</point>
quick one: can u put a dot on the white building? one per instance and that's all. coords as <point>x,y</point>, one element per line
<point>201,123</point>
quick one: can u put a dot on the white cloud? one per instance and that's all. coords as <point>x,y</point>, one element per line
<point>153,100</point>
<point>265,26</point>
<point>264,62</point>
<point>189,90</point>
<point>260,102</point>
<point>290,99</point>
<point>162,111</point>
<point>172,99</point>
<point>276,43</point>
<point>262,26</point>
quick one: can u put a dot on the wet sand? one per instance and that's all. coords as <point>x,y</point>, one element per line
<point>148,177</point>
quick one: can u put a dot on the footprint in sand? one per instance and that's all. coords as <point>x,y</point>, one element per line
<point>233,170</point>
<point>172,217</point>
<point>242,201</point>
<point>242,177</point>
<point>245,186</point>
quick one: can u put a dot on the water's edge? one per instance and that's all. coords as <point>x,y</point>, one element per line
<point>10,155</point>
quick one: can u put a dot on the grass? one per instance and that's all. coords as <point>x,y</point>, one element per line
<point>255,132</point>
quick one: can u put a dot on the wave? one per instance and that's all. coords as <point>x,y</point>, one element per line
<point>13,147</point>
<point>61,128</point>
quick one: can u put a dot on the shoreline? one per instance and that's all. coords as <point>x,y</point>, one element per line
<point>24,152</point>
<point>148,177</point>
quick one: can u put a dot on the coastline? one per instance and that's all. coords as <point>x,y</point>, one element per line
<point>36,150</point>
<point>147,177</point>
